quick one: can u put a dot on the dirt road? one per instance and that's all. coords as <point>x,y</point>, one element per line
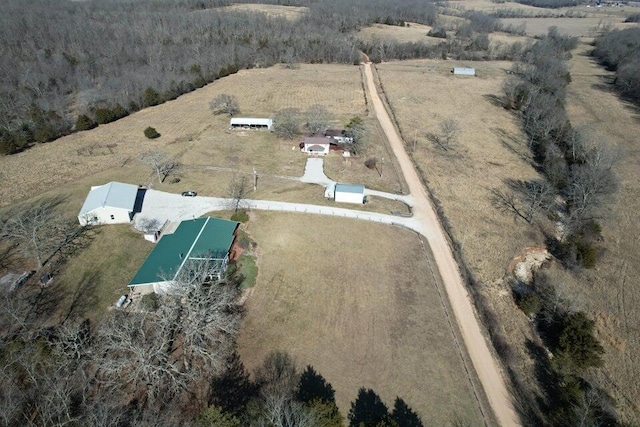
<point>485,365</point>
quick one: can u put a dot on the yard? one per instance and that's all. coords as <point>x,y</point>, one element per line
<point>361,317</point>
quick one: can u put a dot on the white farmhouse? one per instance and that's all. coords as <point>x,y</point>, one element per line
<point>349,193</point>
<point>317,145</point>
<point>112,203</point>
<point>251,123</point>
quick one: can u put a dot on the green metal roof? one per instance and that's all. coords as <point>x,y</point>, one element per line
<point>196,238</point>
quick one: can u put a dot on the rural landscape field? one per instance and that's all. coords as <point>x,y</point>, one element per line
<point>319,320</point>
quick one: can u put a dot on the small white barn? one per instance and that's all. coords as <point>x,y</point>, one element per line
<point>464,71</point>
<point>111,203</point>
<point>349,193</point>
<point>317,145</point>
<point>251,123</point>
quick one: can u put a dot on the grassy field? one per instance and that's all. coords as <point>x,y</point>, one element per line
<point>200,139</point>
<point>578,27</point>
<point>611,292</point>
<point>411,34</point>
<point>360,318</point>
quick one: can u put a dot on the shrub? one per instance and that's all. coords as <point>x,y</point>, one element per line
<point>240,216</point>
<point>107,115</point>
<point>150,302</point>
<point>84,122</point>
<point>530,303</point>
<point>371,163</point>
<point>438,32</point>
<point>151,133</point>
<point>151,97</point>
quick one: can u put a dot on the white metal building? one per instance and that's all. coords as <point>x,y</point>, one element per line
<point>464,71</point>
<point>349,193</point>
<point>111,203</point>
<point>251,123</point>
<point>316,145</point>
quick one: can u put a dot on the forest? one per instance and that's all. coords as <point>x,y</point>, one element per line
<point>69,66</point>
<point>619,51</point>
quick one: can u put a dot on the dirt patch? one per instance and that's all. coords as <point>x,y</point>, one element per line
<point>527,262</point>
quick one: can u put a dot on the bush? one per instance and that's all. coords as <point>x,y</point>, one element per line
<point>438,32</point>
<point>84,122</point>
<point>151,133</point>
<point>371,163</point>
<point>530,303</point>
<point>150,302</point>
<point>151,97</point>
<point>240,216</point>
<point>107,115</point>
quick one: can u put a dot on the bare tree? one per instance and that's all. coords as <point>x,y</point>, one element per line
<point>225,104</point>
<point>285,123</point>
<point>448,135</point>
<point>161,163</point>
<point>318,118</point>
<point>238,190</point>
<point>39,229</point>
<point>524,199</point>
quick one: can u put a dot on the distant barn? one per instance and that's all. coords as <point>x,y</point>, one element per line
<point>251,123</point>
<point>464,71</point>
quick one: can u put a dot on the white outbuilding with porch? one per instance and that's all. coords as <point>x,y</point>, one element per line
<point>111,203</point>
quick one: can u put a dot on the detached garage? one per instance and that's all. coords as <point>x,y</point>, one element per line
<point>112,203</point>
<point>349,193</point>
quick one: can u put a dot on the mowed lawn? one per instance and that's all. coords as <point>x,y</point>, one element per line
<point>357,301</point>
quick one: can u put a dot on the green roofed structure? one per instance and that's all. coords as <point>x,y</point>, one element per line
<point>203,239</point>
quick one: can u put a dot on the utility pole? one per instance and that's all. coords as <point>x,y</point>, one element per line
<point>255,180</point>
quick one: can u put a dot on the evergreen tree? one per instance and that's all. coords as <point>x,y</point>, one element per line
<point>232,390</point>
<point>368,410</point>
<point>313,386</point>
<point>404,416</point>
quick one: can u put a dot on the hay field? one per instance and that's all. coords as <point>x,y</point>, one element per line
<point>360,319</point>
<point>489,150</point>
<point>611,292</point>
<point>190,131</point>
<point>412,34</point>
<point>272,10</point>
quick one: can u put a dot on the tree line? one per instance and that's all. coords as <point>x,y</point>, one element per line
<point>578,182</point>
<point>619,51</point>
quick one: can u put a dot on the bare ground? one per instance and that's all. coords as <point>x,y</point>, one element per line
<point>361,319</point>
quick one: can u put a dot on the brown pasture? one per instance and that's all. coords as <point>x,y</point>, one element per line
<point>409,34</point>
<point>611,292</point>
<point>362,318</point>
<point>201,140</point>
<point>288,12</point>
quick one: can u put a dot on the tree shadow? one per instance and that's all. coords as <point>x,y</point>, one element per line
<point>82,299</point>
<point>514,144</point>
<point>494,100</point>
<point>543,374</point>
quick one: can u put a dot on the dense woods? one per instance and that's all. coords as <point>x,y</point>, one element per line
<point>619,51</point>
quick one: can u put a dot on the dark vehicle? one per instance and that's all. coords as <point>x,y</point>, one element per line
<point>189,193</point>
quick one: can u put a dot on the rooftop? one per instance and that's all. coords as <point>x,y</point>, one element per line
<point>208,238</point>
<point>250,120</point>
<point>350,188</point>
<point>113,194</point>
<point>316,140</point>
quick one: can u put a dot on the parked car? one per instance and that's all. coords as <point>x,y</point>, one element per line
<point>189,193</point>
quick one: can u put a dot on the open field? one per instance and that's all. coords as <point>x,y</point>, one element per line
<point>191,133</point>
<point>272,10</point>
<point>611,292</point>
<point>463,178</point>
<point>361,319</point>
<point>411,34</point>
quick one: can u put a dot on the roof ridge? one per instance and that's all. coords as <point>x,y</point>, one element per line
<point>186,257</point>
<point>106,197</point>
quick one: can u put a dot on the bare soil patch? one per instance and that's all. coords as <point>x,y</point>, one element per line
<point>360,318</point>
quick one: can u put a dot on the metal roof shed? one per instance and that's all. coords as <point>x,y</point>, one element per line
<point>251,123</point>
<point>464,71</point>
<point>111,203</point>
<point>349,193</point>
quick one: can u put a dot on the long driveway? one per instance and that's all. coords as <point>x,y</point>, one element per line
<point>486,366</point>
